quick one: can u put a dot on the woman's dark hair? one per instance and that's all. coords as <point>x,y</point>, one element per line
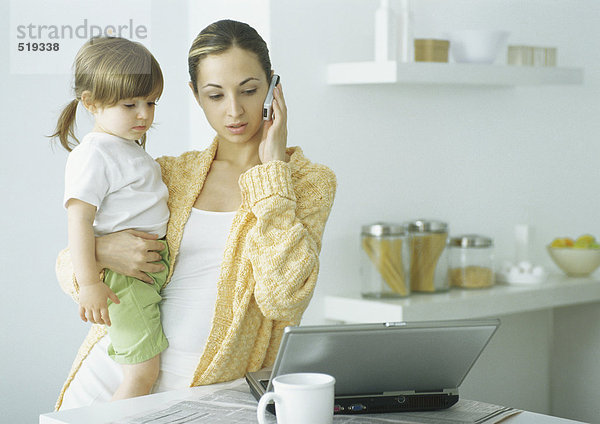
<point>219,37</point>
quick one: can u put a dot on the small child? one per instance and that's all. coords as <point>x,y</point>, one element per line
<point>112,184</point>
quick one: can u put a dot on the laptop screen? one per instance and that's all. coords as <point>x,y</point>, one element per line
<point>388,357</point>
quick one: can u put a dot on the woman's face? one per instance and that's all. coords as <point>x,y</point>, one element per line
<point>232,87</point>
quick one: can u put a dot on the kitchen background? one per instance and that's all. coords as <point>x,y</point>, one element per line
<point>483,159</point>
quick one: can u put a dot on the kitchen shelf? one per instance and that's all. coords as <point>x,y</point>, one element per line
<point>557,291</point>
<point>449,74</point>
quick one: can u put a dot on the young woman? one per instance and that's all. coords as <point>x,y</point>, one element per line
<point>247,219</point>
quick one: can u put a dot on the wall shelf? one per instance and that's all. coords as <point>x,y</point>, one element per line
<point>353,73</point>
<point>558,291</point>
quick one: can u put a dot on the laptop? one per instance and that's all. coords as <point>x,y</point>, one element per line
<point>385,367</point>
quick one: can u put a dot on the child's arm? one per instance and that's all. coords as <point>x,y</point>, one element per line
<point>93,293</point>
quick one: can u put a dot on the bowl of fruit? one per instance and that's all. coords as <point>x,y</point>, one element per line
<point>577,258</point>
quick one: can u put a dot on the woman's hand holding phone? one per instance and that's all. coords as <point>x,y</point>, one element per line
<point>274,136</point>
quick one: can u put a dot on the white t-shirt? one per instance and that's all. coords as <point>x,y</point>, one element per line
<point>123,182</point>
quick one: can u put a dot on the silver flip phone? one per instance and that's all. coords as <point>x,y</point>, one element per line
<point>268,106</point>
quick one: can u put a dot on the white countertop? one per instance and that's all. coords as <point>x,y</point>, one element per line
<point>112,411</point>
<point>501,299</point>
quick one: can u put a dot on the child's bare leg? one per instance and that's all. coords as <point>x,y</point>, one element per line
<point>138,379</point>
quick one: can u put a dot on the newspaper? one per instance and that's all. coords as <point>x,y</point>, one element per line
<point>237,406</point>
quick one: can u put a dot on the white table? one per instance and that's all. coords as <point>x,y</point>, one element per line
<point>108,412</point>
<point>544,358</point>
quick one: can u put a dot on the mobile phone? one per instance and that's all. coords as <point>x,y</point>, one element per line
<point>268,105</point>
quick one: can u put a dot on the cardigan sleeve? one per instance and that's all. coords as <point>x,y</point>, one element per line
<point>284,245</point>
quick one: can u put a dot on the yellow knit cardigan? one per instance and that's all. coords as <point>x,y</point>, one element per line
<point>270,262</point>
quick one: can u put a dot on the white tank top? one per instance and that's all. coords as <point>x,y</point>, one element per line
<point>188,303</point>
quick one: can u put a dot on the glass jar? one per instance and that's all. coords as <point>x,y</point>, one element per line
<point>471,261</point>
<point>428,258</point>
<point>383,260</point>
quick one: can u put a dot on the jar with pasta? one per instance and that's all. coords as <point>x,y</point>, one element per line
<point>471,259</point>
<point>384,261</point>
<point>428,257</point>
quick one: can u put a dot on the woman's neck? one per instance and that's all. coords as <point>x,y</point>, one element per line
<point>243,155</point>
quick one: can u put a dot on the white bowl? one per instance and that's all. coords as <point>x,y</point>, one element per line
<point>575,262</point>
<point>476,46</point>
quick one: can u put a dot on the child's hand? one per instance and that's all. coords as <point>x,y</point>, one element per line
<point>93,305</point>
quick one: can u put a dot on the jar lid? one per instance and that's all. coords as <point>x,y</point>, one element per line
<point>471,240</point>
<point>427,226</point>
<point>383,229</point>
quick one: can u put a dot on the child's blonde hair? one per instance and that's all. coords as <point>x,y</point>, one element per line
<point>111,69</point>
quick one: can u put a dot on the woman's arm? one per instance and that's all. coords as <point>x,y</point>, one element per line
<point>286,240</point>
<point>131,253</point>
<point>128,252</point>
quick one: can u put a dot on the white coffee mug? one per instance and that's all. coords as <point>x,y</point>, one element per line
<point>300,399</point>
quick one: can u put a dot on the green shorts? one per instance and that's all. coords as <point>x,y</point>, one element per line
<point>136,333</point>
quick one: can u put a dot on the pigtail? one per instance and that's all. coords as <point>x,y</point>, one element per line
<point>65,127</point>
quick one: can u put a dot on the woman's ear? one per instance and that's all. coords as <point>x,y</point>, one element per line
<point>86,100</point>
<point>195,93</point>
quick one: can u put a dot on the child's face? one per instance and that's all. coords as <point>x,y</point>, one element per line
<point>128,119</point>
<point>232,87</point>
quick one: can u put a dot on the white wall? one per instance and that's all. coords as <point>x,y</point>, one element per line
<point>574,385</point>
<point>40,329</point>
<point>482,159</point>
